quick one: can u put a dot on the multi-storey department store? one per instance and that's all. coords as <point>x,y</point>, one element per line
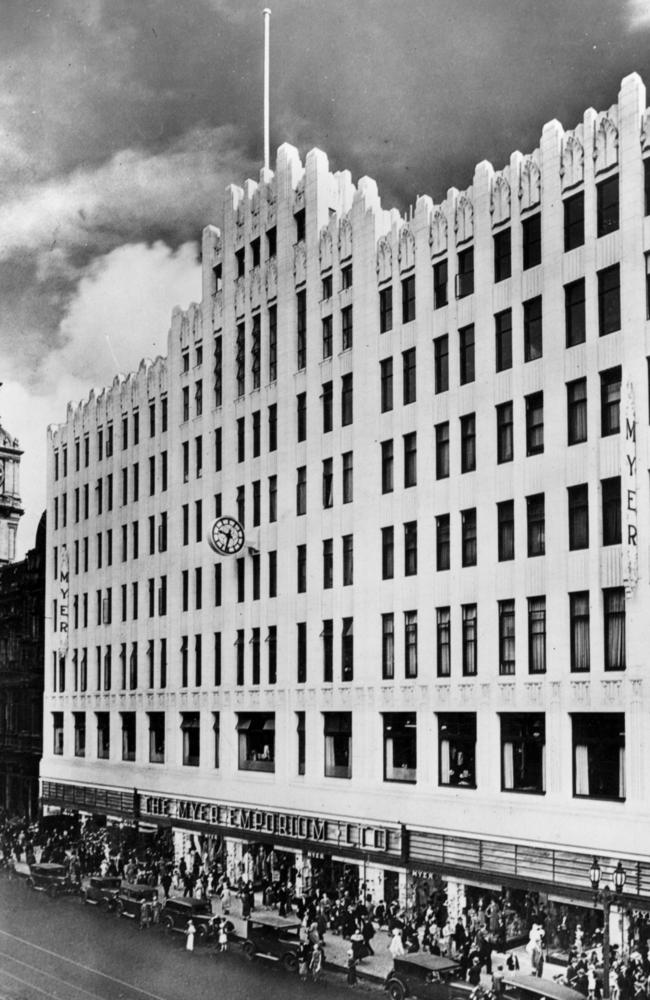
<point>427,658</point>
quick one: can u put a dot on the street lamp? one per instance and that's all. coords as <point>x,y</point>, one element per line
<point>606,896</point>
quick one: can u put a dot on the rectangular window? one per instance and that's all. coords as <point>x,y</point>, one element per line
<point>346,276</point>
<point>468,442</point>
<point>578,497</point>
<point>408,376</point>
<point>387,553</point>
<point>535,423</point>
<point>156,737</point>
<point>442,450</point>
<point>328,651</point>
<point>400,746</point>
<point>533,329</point>
<point>457,749</point>
<point>79,734</point>
<point>273,343</point>
<point>410,548</point>
<point>347,542</point>
<point>443,545</point>
<point>326,285</point>
<point>346,328</point>
<point>388,647</point>
<point>410,460</point>
<point>598,755</point>
<point>347,471</point>
<point>216,729</point>
<point>255,567</point>
<point>257,435</point>
<point>301,652</point>
<point>327,396</point>
<point>271,242</point>
<point>300,729</point>
<point>103,735</point>
<point>577,411</point>
<point>465,276</point>
<point>327,337</point>
<point>256,734</point>
<point>301,416</point>
<point>506,638</point>
<point>128,735</point>
<point>609,300</point>
<point>523,738</point>
<point>574,313</point>
<point>273,573</point>
<point>273,426</point>
<point>466,347</point>
<point>241,580</point>
<point>502,263</point>
<point>301,569</point>
<point>440,271</point>
<point>346,399</point>
<point>579,626</point>
<point>611,510</point>
<point>387,462</point>
<point>328,483</point>
<point>503,340</point>
<point>536,522</point>
<point>57,733</point>
<point>441,363</point>
<point>610,401</point>
<point>301,490</point>
<point>337,730</point>
<point>218,371</point>
<point>198,399</point>
<point>240,360</point>
<point>328,563</point>
<point>272,644</point>
<point>614,620</point>
<point>506,530</point>
<point>347,649</point>
<point>536,635</point>
<point>468,535</point>
<point>385,309</point>
<point>301,329</point>
<point>408,298</point>
<point>443,642</point>
<point>607,205</point>
<point>386,384</point>
<point>574,221</point>
<point>532,239</point>
<point>469,640</point>
<point>256,358</point>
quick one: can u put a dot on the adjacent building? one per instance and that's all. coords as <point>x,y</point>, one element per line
<point>419,446</point>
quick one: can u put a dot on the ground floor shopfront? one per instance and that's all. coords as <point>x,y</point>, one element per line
<point>499,887</point>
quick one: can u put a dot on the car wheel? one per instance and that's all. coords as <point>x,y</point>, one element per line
<point>30,883</point>
<point>290,961</point>
<point>249,950</point>
<point>52,891</point>
<point>168,924</point>
<point>201,932</point>
<point>119,908</point>
<point>395,990</point>
<point>107,905</point>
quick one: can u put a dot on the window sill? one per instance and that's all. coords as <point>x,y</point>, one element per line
<point>257,765</point>
<point>464,785</point>
<point>406,777</point>
<point>524,791</point>
<point>599,798</point>
<point>338,772</point>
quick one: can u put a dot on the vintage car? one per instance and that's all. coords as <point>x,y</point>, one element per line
<point>50,878</point>
<point>431,977</point>
<point>177,912</point>
<point>273,937</point>
<point>518,986</point>
<point>101,891</point>
<point>129,898</point>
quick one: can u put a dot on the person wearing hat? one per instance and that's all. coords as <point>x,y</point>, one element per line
<point>474,972</point>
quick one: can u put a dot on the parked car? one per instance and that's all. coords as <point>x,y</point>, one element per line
<point>177,912</point>
<point>518,986</point>
<point>273,937</point>
<point>129,898</point>
<point>50,878</point>
<point>431,977</point>
<point>101,891</point>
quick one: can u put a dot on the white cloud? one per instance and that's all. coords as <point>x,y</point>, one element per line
<point>121,312</point>
<point>638,14</point>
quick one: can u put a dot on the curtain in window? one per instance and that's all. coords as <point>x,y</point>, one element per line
<point>615,652</point>
<point>444,762</point>
<point>621,772</point>
<point>581,632</point>
<point>330,762</point>
<point>390,757</point>
<point>579,421</point>
<point>508,766</point>
<point>582,769</point>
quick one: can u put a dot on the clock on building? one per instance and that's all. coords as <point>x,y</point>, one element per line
<point>226,536</point>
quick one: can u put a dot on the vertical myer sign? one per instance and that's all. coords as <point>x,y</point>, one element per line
<point>630,548</point>
<point>64,590</point>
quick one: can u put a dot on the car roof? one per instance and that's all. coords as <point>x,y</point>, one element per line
<point>189,904</point>
<point>48,868</point>
<point>423,960</point>
<point>542,987</point>
<point>111,880</point>
<point>272,920</point>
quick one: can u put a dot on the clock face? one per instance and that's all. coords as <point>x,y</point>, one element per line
<point>226,536</point>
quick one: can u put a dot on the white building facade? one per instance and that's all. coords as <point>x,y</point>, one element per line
<point>427,660</point>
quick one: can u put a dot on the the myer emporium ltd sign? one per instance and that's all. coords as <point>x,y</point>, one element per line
<point>264,821</point>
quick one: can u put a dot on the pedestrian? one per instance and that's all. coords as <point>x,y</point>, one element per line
<point>396,945</point>
<point>155,910</point>
<point>352,968</point>
<point>316,962</point>
<point>190,931</point>
<point>303,961</point>
<point>145,913</point>
<point>223,936</point>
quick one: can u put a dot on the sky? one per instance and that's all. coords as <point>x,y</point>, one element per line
<point>122,121</point>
